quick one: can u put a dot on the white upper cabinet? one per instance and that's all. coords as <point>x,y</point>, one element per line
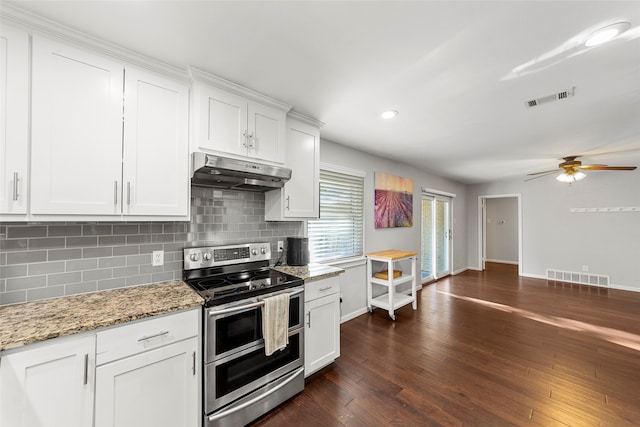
<point>156,149</point>
<point>107,139</point>
<point>237,122</point>
<point>299,198</point>
<point>76,131</point>
<point>14,120</point>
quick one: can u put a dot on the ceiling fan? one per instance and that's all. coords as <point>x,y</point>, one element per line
<point>571,170</point>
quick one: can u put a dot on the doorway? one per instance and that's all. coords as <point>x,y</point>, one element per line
<point>500,230</point>
<point>436,237</point>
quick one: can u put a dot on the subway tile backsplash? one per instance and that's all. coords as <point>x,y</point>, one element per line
<point>47,260</point>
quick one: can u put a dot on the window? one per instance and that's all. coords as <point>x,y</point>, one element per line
<point>339,231</point>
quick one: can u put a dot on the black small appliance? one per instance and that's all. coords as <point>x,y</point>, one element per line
<point>297,251</point>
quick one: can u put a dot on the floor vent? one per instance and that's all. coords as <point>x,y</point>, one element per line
<point>575,277</point>
<point>550,98</point>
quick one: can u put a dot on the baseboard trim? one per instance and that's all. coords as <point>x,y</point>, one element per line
<point>501,261</point>
<point>353,315</point>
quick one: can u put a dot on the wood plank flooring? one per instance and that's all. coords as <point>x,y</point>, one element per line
<point>483,349</point>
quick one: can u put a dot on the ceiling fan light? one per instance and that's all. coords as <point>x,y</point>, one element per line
<point>571,177</point>
<point>607,33</point>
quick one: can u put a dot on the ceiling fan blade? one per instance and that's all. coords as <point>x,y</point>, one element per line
<point>545,172</point>
<point>607,168</point>
<point>541,174</point>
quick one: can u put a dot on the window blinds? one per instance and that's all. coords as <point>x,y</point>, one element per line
<point>339,231</point>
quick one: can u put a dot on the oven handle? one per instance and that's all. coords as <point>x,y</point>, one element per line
<point>248,306</point>
<point>219,415</point>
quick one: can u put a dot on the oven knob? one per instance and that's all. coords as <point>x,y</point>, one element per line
<point>195,257</point>
<point>254,252</point>
<point>206,256</point>
<point>263,250</point>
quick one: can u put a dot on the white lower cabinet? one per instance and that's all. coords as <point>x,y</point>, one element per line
<point>49,384</point>
<point>148,373</point>
<point>322,324</point>
<point>143,373</point>
<point>156,388</point>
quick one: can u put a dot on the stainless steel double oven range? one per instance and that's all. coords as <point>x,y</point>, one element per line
<point>240,383</point>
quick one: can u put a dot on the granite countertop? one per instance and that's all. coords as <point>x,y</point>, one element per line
<point>310,272</point>
<point>41,320</point>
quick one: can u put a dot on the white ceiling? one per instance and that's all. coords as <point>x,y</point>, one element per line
<point>446,66</point>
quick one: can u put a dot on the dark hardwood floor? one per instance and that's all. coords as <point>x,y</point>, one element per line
<point>483,349</point>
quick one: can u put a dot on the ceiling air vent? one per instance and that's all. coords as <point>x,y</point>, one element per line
<point>550,98</point>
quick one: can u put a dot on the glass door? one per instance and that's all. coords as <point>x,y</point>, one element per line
<point>436,237</point>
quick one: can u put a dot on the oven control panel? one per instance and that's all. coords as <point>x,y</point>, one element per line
<point>213,256</point>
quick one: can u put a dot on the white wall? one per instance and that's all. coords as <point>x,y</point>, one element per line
<point>502,229</point>
<point>554,237</point>
<point>406,238</point>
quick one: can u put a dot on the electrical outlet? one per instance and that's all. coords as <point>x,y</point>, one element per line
<point>280,245</point>
<point>585,268</point>
<point>157,259</point>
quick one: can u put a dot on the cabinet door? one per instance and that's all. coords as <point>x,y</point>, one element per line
<point>302,190</point>
<point>14,115</point>
<point>156,145</point>
<point>322,332</point>
<point>51,385</point>
<point>157,388</point>
<point>221,121</point>
<point>266,129</point>
<point>76,131</point>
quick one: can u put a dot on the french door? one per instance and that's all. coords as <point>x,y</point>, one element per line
<point>436,237</point>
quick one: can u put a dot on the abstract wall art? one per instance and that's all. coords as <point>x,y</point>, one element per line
<point>393,201</point>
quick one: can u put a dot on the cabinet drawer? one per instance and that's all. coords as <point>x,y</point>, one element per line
<point>321,288</point>
<point>132,338</point>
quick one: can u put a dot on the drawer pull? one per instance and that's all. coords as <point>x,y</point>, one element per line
<point>326,288</point>
<point>148,337</point>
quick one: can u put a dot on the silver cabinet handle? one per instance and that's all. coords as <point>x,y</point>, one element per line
<point>309,319</point>
<point>15,186</point>
<point>324,289</point>
<point>128,192</point>
<point>148,337</point>
<point>288,202</point>
<point>244,135</point>
<point>193,366</point>
<point>86,369</point>
<point>115,192</point>
<point>251,141</point>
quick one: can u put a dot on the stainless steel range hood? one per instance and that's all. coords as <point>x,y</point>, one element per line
<point>222,172</point>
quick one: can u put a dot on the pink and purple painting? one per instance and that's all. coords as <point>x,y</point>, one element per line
<point>393,201</point>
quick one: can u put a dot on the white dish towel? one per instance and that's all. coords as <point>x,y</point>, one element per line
<point>275,322</point>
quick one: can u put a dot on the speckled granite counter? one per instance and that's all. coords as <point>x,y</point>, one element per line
<point>40,320</point>
<point>310,272</point>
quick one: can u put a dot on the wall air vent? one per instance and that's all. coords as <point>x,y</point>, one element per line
<point>580,278</point>
<point>550,98</point>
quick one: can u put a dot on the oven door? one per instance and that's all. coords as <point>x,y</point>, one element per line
<point>240,373</point>
<point>237,326</point>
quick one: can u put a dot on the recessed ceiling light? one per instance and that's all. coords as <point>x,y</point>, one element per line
<point>607,33</point>
<point>389,114</point>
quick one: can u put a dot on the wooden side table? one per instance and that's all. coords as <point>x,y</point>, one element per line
<point>391,300</point>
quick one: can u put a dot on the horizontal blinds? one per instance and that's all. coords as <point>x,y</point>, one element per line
<point>338,233</point>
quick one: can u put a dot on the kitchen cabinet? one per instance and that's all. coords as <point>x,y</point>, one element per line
<point>14,121</point>
<point>391,300</point>
<point>148,373</point>
<point>300,196</point>
<point>94,154</point>
<point>238,122</point>
<point>49,384</point>
<point>322,323</point>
